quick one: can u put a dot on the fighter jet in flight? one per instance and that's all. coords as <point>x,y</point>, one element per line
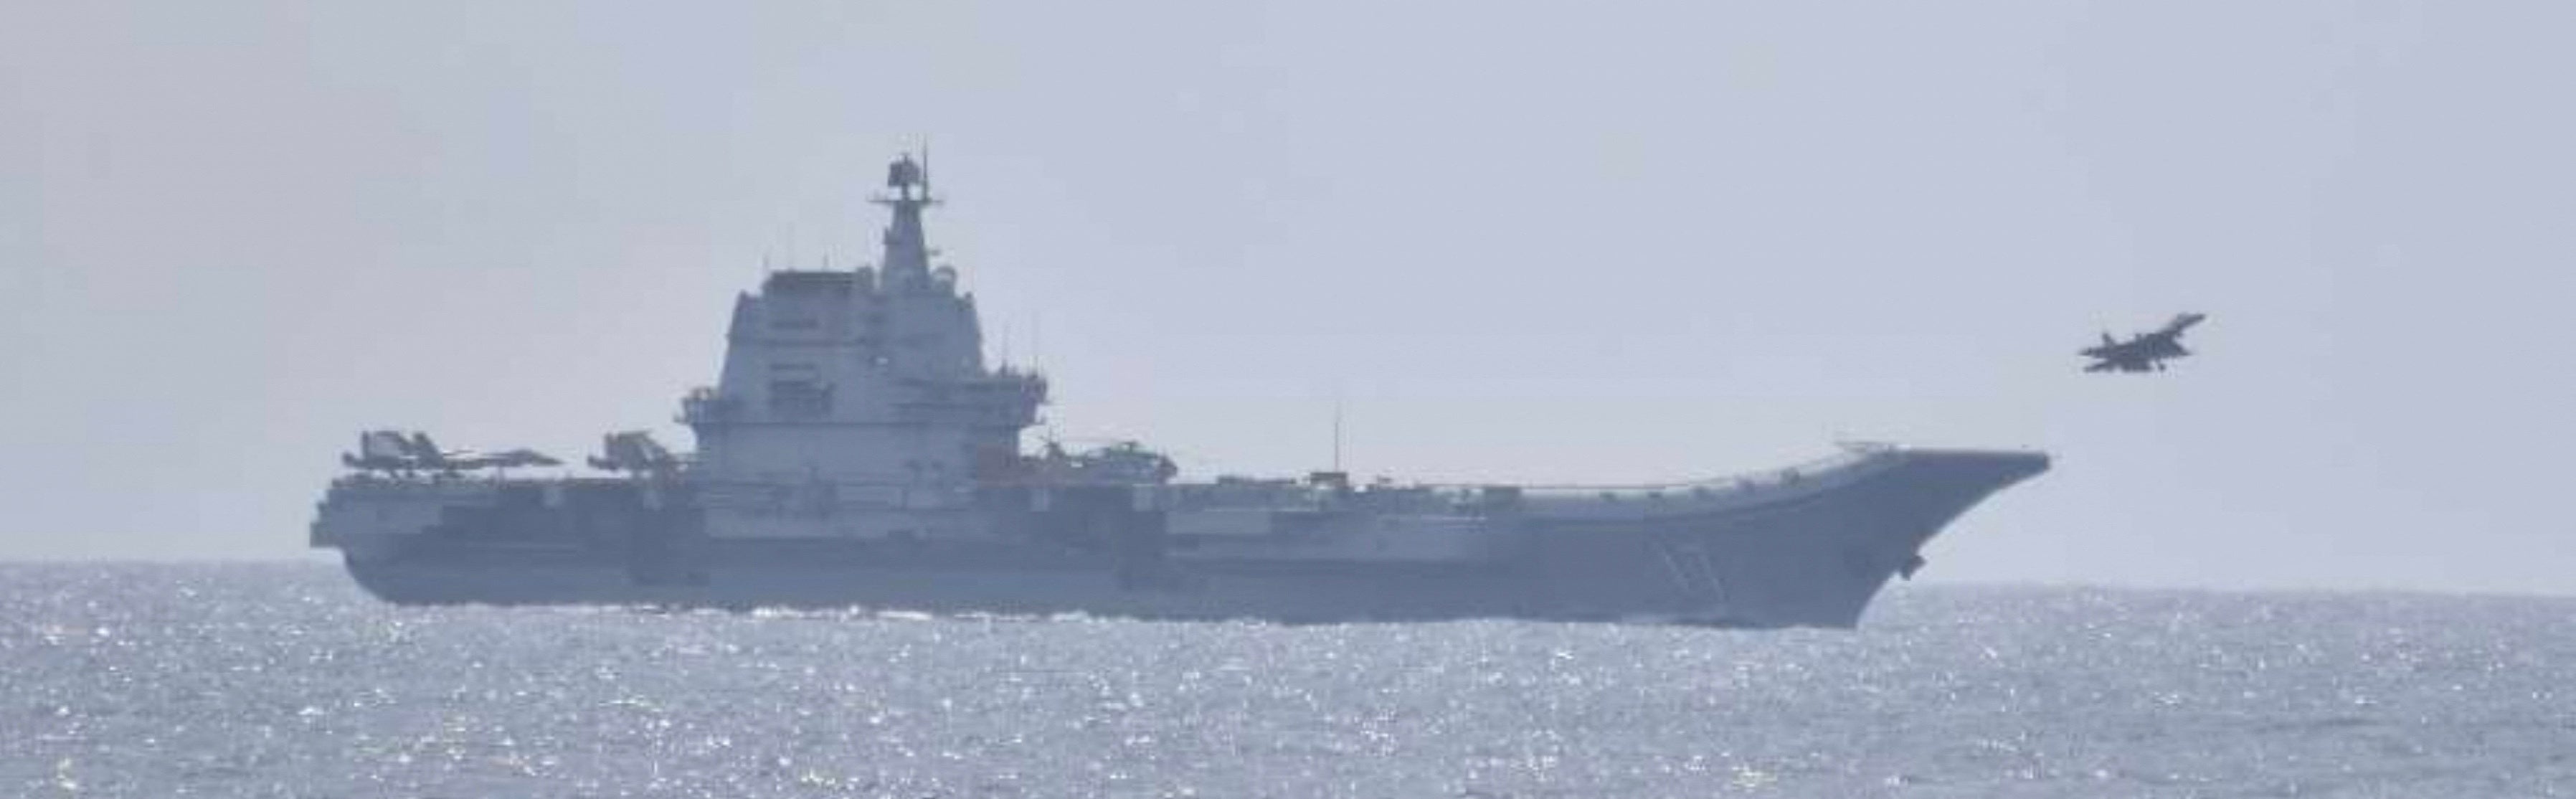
<point>2143,352</point>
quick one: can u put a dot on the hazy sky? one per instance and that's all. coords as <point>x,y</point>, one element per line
<point>1545,241</point>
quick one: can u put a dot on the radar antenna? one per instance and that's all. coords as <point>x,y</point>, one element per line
<point>904,174</point>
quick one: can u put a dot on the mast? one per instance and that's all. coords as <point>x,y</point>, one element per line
<point>906,265</point>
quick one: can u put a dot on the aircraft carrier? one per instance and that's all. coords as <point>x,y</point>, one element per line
<point>857,451</point>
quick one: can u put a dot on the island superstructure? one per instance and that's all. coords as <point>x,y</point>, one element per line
<point>858,451</point>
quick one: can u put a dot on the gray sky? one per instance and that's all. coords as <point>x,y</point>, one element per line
<point>1518,241</point>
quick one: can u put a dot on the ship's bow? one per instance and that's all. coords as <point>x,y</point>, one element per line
<point>1876,527</point>
<point>1804,547</point>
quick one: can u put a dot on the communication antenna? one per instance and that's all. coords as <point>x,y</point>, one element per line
<point>1003,352</point>
<point>1337,433</point>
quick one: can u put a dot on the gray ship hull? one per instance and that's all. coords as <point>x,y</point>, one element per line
<point>857,450</point>
<point>1812,558</point>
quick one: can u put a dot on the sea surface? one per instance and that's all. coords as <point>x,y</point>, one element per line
<point>283,680</point>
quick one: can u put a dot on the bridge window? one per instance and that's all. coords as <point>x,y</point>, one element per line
<point>797,391</point>
<point>799,400</point>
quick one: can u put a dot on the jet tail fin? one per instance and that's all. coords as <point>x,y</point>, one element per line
<point>382,445</point>
<point>633,451</point>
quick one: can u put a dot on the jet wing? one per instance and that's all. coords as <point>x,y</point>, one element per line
<point>2123,360</point>
<point>519,457</point>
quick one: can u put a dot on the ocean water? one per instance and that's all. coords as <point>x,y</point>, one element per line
<point>283,680</point>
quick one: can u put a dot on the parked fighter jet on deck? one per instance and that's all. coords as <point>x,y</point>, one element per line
<point>454,460</point>
<point>393,453</point>
<point>2143,352</point>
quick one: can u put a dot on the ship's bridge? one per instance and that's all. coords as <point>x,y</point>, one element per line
<point>874,374</point>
